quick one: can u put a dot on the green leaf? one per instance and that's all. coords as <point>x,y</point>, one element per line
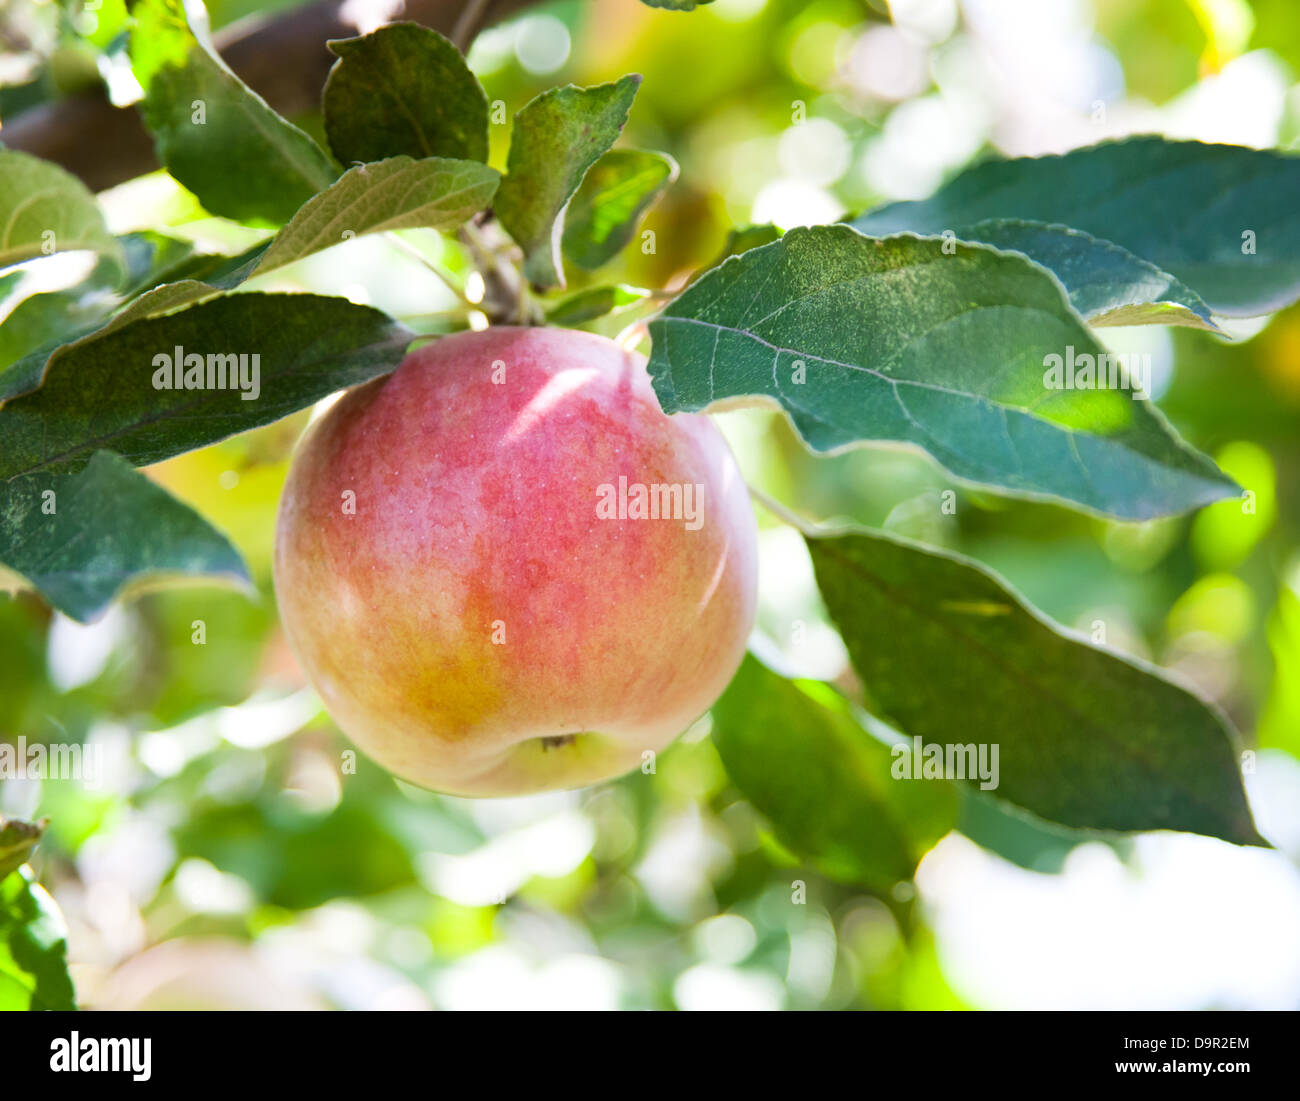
<point>556,138</point>
<point>1183,206</point>
<point>398,193</point>
<point>44,209</point>
<point>797,754</point>
<point>937,344</point>
<point>1087,737</point>
<point>17,840</point>
<point>614,196</point>
<point>676,5</point>
<point>403,89</point>
<point>1108,285</point>
<point>80,538</point>
<point>242,160</point>
<point>100,393</point>
<point>594,302</point>
<point>33,948</point>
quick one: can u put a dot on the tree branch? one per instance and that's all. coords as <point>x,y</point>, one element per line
<point>283,59</point>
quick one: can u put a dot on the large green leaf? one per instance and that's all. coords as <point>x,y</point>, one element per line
<point>556,138</point>
<point>1189,208</point>
<point>44,209</point>
<point>33,948</point>
<point>937,344</point>
<point>80,538</point>
<point>614,196</point>
<point>404,89</point>
<point>1087,738</point>
<point>100,393</point>
<point>795,751</point>
<point>1107,284</point>
<point>215,134</point>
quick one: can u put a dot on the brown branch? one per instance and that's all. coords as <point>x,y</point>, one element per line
<point>283,59</point>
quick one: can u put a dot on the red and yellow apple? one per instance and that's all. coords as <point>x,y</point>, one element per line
<point>506,570</point>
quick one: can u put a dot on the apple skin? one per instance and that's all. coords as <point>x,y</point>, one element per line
<point>472,623</point>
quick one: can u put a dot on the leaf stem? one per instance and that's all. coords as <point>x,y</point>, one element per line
<point>777,509</point>
<point>452,283</point>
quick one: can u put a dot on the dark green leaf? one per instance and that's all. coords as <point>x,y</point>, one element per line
<point>795,751</point>
<point>944,348</point>
<point>1020,837</point>
<point>676,5</point>
<point>592,303</point>
<point>214,133</point>
<point>44,210</point>
<point>614,196</point>
<point>33,948</point>
<point>1184,206</point>
<point>79,538</point>
<point>1087,738</point>
<point>556,138</point>
<point>99,392</point>
<point>1108,285</point>
<point>744,239</point>
<point>403,89</point>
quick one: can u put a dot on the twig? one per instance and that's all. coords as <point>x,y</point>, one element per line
<point>506,289</point>
<point>467,25</point>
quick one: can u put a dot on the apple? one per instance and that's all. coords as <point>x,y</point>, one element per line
<point>507,571</point>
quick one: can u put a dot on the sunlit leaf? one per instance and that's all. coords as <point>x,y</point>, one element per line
<point>556,138</point>
<point>215,134</point>
<point>795,751</point>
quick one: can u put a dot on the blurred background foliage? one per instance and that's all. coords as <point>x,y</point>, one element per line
<point>221,858</point>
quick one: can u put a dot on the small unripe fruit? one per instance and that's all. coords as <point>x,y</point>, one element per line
<point>506,570</point>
